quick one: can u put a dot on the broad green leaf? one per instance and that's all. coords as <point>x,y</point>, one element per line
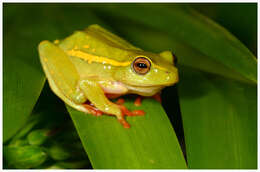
<point>220,121</point>
<point>23,80</point>
<point>22,86</point>
<point>193,30</point>
<point>150,143</point>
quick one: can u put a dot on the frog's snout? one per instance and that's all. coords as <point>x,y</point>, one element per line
<point>172,76</point>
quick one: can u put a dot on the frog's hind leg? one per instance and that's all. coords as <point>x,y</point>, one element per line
<point>61,74</point>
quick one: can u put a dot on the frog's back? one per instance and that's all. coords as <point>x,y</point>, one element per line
<point>93,70</point>
<point>99,42</point>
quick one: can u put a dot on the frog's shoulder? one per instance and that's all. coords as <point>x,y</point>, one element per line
<point>101,33</point>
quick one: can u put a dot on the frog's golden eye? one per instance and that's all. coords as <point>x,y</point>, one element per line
<point>141,65</point>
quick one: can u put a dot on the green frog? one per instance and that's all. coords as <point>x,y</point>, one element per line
<point>94,65</point>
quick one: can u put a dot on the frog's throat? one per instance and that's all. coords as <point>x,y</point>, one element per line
<point>99,59</point>
<point>144,91</point>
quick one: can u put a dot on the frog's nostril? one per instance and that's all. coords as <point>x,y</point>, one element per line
<point>167,72</point>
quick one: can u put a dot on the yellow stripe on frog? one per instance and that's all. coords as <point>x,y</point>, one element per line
<point>92,58</point>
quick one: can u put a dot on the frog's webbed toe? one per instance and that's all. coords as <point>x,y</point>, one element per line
<point>92,110</point>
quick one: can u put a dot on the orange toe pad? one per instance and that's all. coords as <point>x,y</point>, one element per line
<point>92,110</point>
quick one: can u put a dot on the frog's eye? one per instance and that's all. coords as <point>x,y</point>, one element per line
<point>141,65</point>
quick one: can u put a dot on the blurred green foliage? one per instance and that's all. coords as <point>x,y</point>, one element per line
<point>45,141</point>
<point>239,18</point>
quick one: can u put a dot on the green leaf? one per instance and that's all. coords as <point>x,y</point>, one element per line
<point>220,121</point>
<point>149,143</point>
<point>23,80</point>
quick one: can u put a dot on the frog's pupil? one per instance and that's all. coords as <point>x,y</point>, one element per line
<point>141,65</point>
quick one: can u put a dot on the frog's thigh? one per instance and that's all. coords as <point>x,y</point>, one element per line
<point>96,96</point>
<point>61,74</point>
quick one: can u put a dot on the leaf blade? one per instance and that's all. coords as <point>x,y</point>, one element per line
<point>224,112</point>
<point>22,85</point>
<point>143,146</point>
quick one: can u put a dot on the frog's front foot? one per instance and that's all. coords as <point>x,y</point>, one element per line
<point>121,117</point>
<point>96,112</point>
<point>126,112</point>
